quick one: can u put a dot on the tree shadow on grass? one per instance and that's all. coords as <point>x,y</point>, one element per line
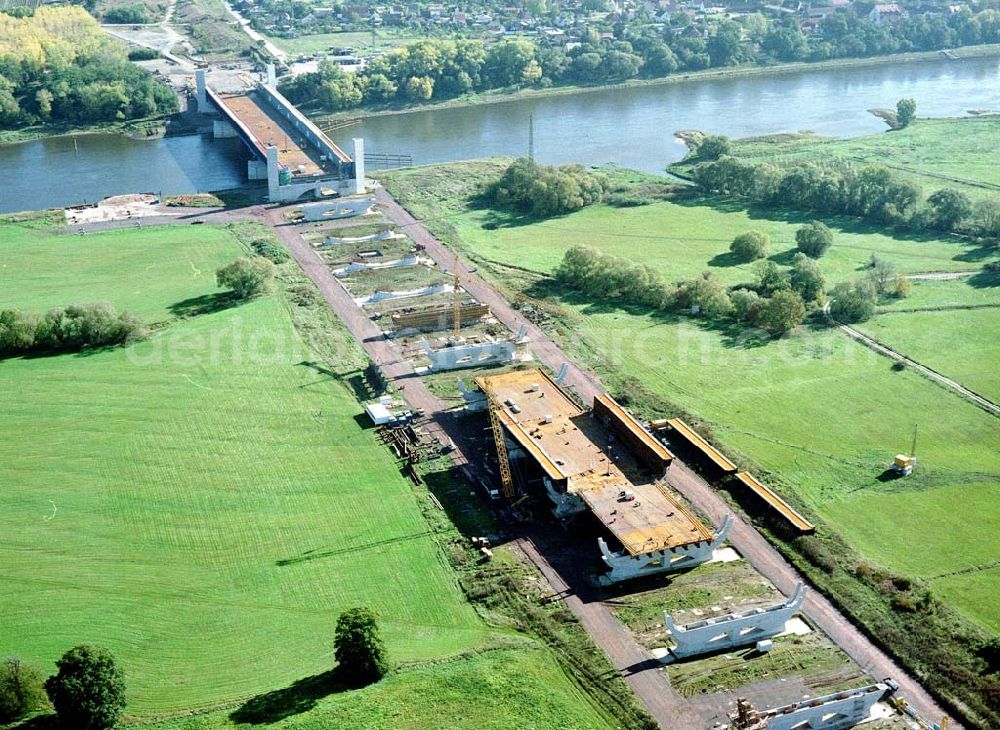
<point>301,696</point>
<point>725,260</point>
<point>204,304</point>
<point>985,278</point>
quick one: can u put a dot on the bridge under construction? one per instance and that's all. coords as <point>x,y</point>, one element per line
<point>603,461</point>
<point>295,157</point>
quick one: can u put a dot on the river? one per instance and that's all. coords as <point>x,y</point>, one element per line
<point>632,127</point>
<point>60,171</point>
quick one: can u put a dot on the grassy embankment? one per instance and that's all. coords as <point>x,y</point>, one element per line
<point>213,31</point>
<point>499,96</point>
<point>816,414</point>
<point>932,152</point>
<point>205,502</point>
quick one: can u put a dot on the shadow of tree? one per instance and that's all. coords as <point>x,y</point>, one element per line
<point>985,278</point>
<point>725,259</point>
<point>301,696</point>
<point>204,304</point>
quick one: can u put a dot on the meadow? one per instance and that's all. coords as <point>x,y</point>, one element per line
<point>816,412</point>
<point>934,152</point>
<point>361,42</point>
<point>205,502</point>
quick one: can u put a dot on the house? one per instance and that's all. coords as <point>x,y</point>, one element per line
<point>886,14</point>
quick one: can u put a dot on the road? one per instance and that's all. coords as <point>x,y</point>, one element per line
<point>649,684</point>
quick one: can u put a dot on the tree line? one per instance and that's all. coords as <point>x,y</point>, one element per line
<point>67,329</point>
<point>57,65</point>
<point>442,69</point>
<point>873,192</point>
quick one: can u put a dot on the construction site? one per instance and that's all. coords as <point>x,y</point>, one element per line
<point>454,375</point>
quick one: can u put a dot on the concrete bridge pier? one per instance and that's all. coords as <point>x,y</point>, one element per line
<point>200,91</point>
<point>359,165</point>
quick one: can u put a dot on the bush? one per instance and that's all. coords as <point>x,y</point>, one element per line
<point>714,146</point>
<point>545,191</point>
<point>806,278</point>
<point>853,302</point>
<point>270,250</point>
<point>612,278</point>
<point>814,239</point>
<point>750,245</point>
<point>901,287</point>
<point>707,294</point>
<point>746,303</point>
<point>906,110</point>
<point>782,312</point>
<point>21,689</point>
<point>88,692</point>
<point>360,652</point>
<point>143,54</point>
<point>246,277</point>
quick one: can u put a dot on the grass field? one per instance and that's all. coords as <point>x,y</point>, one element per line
<point>323,42</point>
<point>203,503</point>
<point>147,272</point>
<point>935,152</point>
<point>492,691</point>
<point>821,413</point>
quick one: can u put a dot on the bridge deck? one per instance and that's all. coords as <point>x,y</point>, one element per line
<point>576,451</point>
<point>269,128</point>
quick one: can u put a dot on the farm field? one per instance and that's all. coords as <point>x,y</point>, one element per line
<point>204,503</point>
<point>816,411</point>
<point>495,690</point>
<point>935,152</point>
<point>961,343</point>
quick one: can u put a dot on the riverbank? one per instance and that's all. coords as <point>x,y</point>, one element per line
<point>151,128</point>
<point>733,72</point>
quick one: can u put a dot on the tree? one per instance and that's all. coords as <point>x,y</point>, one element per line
<point>706,293</point>
<point>17,330</point>
<point>949,208</point>
<point>901,287</point>
<point>246,277</point>
<point>806,278</point>
<point>88,691</point>
<point>906,109</point>
<point>987,215</point>
<point>358,646</point>
<point>419,88</point>
<point>781,312</point>
<point>750,245</point>
<point>882,272</point>
<point>714,146</point>
<point>853,302</point>
<point>771,278</point>
<point>746,302</point>
<point>21,689</point>
<point>814,239</point>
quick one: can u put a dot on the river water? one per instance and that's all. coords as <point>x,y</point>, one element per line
<point>632,127</point>
<point>56,172</point>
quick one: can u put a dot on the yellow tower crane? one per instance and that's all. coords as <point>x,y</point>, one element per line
<point>506,480</point>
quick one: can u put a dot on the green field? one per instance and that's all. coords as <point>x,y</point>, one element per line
<point>359,41</point>
<point>960,343</point>
<point>935,152</point>
<point>495,691</point>
<point>203,503</point>
<point>821,413</point>
<point>145,272</point>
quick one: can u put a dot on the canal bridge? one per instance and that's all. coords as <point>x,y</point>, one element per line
<point>295,157</point>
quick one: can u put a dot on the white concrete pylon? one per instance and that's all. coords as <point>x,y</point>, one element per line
<point>359,165</point>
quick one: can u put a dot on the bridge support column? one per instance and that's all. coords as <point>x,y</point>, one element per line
<point>272,173</point>
<point>271,78</point>
<point>200,95</point>
<point>359,165</point>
